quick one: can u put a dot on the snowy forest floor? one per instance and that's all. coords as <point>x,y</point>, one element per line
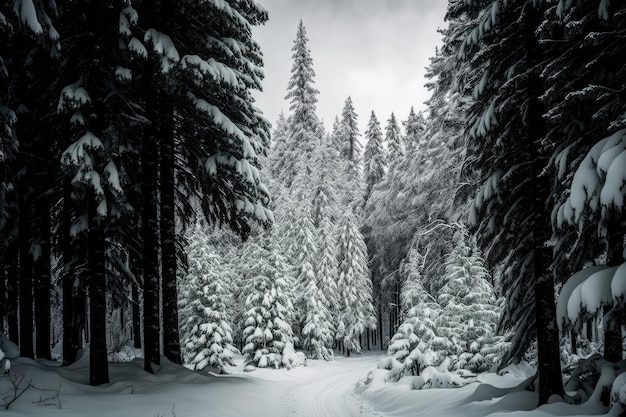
<point>321,389</point>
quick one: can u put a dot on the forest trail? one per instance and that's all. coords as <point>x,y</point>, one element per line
<point>326,389</point>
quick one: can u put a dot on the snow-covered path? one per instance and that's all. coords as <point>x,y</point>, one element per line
<point>326,389</point>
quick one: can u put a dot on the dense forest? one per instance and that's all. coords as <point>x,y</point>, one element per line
<point>146,203</point>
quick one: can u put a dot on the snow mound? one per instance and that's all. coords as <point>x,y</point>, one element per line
<point>433,378</point>
<point>291,358</point>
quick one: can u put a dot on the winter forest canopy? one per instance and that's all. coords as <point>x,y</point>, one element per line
<point>148,209</point>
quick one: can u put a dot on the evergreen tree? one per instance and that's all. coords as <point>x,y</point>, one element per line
<point>325,183</point>
<point>350,146</point>
<point>317,326</point>
<point>206,303</point>
<point>469,311</point>
<point>356,311</point>
<point>373,157</point>
<point>393,139</point>
<point>346,134</point>
<point>507,147</point>
<point>305,256</point>
<point>327,269</point>
<point>304,125</point>
<point>414,130</point>
<point>416,344</point>
<point>268,308</point>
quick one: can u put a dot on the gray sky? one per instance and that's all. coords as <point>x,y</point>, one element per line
<point>375,51</point>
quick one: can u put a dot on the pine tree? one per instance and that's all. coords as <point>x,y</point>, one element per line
<point>393,139</point>
<point>414,131</point>
<point>373,157</point>
<point>206,303</point>
<point>268,308</point>
<point>356,311</point>
<point>327,269</point>
<point>469,311</point>
<point>325,191</point>
<point>350,147</point>
<point>304,125</point>
<point>317,326</point>
<point>305,256</point>
<point>416,344</point>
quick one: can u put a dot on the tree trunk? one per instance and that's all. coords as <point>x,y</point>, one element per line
<point>572,338</point>
<point>71,329</point>
<point>548,348</point>
<point>136,317</point>
<point>26,279</point>
<point>12,254</point>
<point>42,279</point>
<point>548,358</point>
<point>150,238</point>
<point>98,360</point>
<point>380,326</point>
<point>171,336</point>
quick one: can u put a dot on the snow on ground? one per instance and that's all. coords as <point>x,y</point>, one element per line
<point>321,389</point>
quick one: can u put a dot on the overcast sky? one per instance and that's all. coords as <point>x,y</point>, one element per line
<point>375,51</point>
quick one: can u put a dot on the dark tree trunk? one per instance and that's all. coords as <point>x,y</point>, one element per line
<point>380,326</point>
<point>71,328</point>
<point>548,349</point>
<point>150,238</point>
<point>26,279</point>
<point>548,358</point>
<point>573,337</point>
<point>42,279</point>
<point>589,324</point>
<point>12,254</point>
<point>171,337</point>
<point>612,335</point>
<point>98,361</point>
<point>136,317</point>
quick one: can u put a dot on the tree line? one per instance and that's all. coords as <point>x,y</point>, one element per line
<point>525,145</point>
<point>120,124</point>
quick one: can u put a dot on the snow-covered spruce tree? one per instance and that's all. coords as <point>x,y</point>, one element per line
<point>587,121</point>
<point>393,139</point>
<point>327,269</point>
<point>414,130</point>
<point>325,191</point>
<point>268,308</point>
<point>350,147</point>
<point>416,344</point>
<point>276,156</point>
<point>469,311</point>
<point>356,311</point>
<point>373,158</point>
<point>205,300</point>
<point>507,146</point>
<point>349,155</point>
<point>304,125</point>
<point>317,323</point>
<point>305,256</point>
